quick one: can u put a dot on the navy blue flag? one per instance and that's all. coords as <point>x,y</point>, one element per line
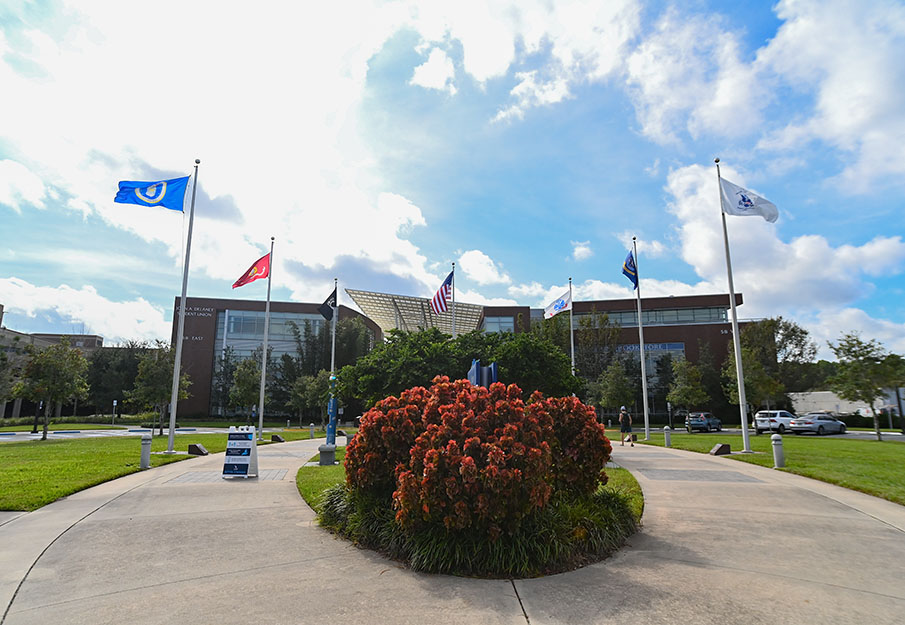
<point>326,309</point>
<point>167,193</point>
<point>629,269</point>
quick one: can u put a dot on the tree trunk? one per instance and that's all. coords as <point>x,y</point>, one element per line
<point>34,429</point>
<point>46,419</point>
<point>75,406</point>
<point>876,423</point>
<point>160,415</point>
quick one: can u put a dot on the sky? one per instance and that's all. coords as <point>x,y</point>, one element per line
<point>527,142</point>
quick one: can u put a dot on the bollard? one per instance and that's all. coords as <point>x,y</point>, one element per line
<point>311,431</point>
<point>287,424</point>
<point>145,451</point>
<point>779,458</point>
<point>667,436</point>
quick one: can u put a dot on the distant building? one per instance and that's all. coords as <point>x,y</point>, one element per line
<point>87,343</point>
<point>212,325</point>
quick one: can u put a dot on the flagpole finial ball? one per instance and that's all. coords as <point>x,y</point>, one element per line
<point>634,238</point>
<point>197,161</point>
<point>271,238</point>
<point>716,160</point>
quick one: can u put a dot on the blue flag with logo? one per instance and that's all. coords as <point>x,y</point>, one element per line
<point>167,193</point>
<point>629,269</point>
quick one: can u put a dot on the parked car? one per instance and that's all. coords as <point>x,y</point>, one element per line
<point>818,422</point>
<point>772,421</point>
<point>703,421</point>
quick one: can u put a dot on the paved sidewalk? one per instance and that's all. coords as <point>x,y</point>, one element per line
<point>723,542</point>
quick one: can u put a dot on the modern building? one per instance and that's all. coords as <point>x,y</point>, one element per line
<point>213,325</point>
<point>672,325</point>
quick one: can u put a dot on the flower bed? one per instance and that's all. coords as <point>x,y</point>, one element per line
<point>462,479</point>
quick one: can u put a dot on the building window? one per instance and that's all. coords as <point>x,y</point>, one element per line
<point>499,324</point>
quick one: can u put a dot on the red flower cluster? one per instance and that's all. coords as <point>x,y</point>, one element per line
<point>384,439</point>
<point>580,446</point>
<point>483,460</point>
<point>470,457</point>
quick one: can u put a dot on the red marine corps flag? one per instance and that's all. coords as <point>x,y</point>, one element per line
<point>260,269</point>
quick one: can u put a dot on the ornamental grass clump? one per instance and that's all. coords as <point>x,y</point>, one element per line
<point>474,481</point>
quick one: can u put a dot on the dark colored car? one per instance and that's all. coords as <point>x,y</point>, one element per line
<point>703,421</point>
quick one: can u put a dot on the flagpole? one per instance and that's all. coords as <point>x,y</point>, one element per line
<point>264,354</point>
<point>736,339</point>
<point>571,326</point>
<point>333,340</point>
<point>180,332</point>
<point>454,299</point>
<point>641,344</point>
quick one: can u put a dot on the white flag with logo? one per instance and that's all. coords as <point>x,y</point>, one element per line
<point>558,305</point>
<point>739,201</point>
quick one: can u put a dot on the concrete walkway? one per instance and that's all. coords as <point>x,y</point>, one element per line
<point>723,542</point>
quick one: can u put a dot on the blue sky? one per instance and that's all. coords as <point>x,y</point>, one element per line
<point>528,142</point>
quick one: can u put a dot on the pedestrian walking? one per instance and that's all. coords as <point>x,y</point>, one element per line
<point>625,426</point>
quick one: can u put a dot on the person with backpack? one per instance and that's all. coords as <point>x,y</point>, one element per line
<point>625,426</point>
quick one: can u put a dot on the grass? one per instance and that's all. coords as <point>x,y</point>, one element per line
<point>868,466</point>
<point>36,473</point>
<point>62,426</point>
<point>313,481</point>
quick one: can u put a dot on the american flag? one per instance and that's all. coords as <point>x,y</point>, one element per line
<point>438,303</point>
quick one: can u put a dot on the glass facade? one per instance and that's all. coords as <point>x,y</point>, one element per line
<point>665,316</point>
<point>245,331</point>
<point>499,324</point>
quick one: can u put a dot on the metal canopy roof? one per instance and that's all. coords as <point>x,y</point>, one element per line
<point>402,312</point>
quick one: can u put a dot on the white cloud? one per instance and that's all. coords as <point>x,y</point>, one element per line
<point>584,42</point>
<point>581,250</point>
<point>479,267</point>
<point>474,297</point>
<point>688,75</point>
<point>436,73</point>
<point>115,321</point>
<point>849,56</point>
<point>646,247</point>
<point>796,278</point>
<point>19,186</point>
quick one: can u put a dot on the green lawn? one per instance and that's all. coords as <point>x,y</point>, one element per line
<point>313,481</point>
<point>64,426</point>
<point>35,473</point>
<point>868,466</point>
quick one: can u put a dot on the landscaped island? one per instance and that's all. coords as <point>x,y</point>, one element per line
<point>472,481</point>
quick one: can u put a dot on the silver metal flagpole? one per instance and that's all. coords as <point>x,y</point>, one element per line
<point>453,285</point>
<point>264,354</point>
<point>736,339</point>
<point>641,344</point>
<point>180,332</point>
<point>571,326</point>
<point>335,315</point>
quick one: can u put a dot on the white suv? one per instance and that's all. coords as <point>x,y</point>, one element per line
<point>773,420</point>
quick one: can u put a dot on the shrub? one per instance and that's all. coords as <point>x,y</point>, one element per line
<point>385,436</point>
<point>482,463</point>
<point>580,446</point>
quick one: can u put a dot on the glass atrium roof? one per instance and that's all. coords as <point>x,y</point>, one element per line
<point>411,314</point>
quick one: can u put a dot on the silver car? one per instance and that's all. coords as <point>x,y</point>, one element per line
<point>818,422</point>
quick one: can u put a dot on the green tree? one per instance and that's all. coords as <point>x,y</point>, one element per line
<point>596,344</point>
<point>534,364</point>
<point>711,379</point>
<point>54,374</point>
<point>863,372</point>
<point>310,394</point>
<point>224,369</point>
<point>895,366</point>
<point>687,390</point>
<point>154,382</point>
<point>13,358</point>
<point>612,388</point>
<point>663,378</point>
<point>760,386</point>
<point>246,388</point>
<point>112,372</point>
